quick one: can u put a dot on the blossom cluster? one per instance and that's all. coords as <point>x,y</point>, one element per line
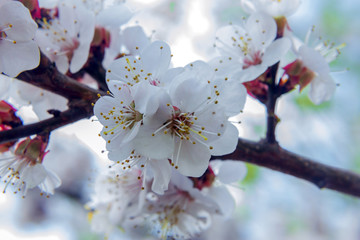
<point>184,211</point>
<point>162,124</point>
<point>159,117</point>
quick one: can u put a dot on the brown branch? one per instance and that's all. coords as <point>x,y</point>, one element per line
<point>265,153</point>
<point>47,77</point>
<point>82,110</point>
<point>276,158</point>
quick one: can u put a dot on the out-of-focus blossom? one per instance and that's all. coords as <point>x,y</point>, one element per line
<point>312,67</point>
<point>24,170</point>
<point>275,8</point>
<point>19,52</point>
<point>66,40</point>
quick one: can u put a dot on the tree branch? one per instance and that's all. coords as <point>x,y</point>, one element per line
<point>276,158</point>
<point>47,77</point>
<point>46,126</point>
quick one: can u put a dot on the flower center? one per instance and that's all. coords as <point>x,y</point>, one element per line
<point>60,37</point>
<point>126,117</point>
<point>181,125</point>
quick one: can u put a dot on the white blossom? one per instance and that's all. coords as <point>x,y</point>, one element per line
<point>316,56</point>
<point>66,40</point>
<point>251,48</point>
<point>19,52</point>
<point>24,170</point>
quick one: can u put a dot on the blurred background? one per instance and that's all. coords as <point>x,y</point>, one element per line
<point>271,205</point>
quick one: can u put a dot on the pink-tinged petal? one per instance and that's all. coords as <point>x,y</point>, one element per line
<point>162,174</point>
<point>228,171</point>
<point>156,58</point>
<point>33,175</point>
<point>193,159</point>
<point>322,88</point>
<point>126,69</point>
<point>276,51</point>
<point>227,142</point>
<point>314,60</point>
<point>223,198</point>
<point>79,58</point>
<point>135,39</point>
<point>114,16</point>
<point>262,29</point>
<point>18,57</point>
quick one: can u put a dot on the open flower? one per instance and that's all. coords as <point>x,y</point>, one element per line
<point>183,212</point>
<point>24,170</point>
<point>312,67</point>
<point>66,40</point>
<point>189,125</point>
<point>116,199</point>
<point>19,52</point>
<point>252,47</point>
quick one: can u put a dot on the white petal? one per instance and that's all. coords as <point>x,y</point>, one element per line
<point>314,60</point>
<point>223,198</point>
<point>114,16</point>
<point>228,171</point>
<point>193,159</point>
<point>232,97</point>
<point>126,69</point>
<point>322,88</point>
<point>156,58</point>
<point>227,142</point>
<point>51,182</point>
<point>276,51</point>
<point>162,174</point>
<point>23,26</point>
<point>135,37</point>
<point>262,29</point>
<point>80,57</point>
<point>18,57</point>
<point>33,175</point>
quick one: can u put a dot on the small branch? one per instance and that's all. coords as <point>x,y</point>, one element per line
<point>46,126</point>
<point>47,77</point>
<point>276,158</point>
<point>273,95</point>
<point>95,68</point>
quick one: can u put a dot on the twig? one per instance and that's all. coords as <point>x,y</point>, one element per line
<point>46,126</point>
<point>47,77</point>
<point>276,158</point>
